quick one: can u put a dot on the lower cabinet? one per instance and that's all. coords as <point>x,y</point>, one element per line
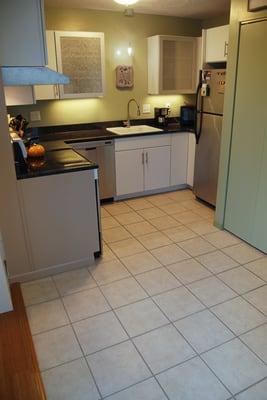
<point>129,171</point>
<point>157,163</point>
<point>139,170</point>
<point>60,220</point>
<point>154,162</point>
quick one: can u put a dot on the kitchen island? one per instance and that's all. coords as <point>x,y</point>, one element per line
<point>60,211</point>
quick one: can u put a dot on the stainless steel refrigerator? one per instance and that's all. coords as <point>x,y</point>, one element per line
<point>209,115</point>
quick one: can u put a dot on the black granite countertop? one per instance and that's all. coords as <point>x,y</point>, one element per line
<point>57,161</point>
<point>61,158</point>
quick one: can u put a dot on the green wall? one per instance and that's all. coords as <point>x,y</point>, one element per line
<point>238,13</point>
<point>119,32</point>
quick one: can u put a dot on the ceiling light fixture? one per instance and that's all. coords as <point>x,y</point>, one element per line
<point>126,2</point>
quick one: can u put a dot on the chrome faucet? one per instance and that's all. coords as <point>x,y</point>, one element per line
<point>128,122</point>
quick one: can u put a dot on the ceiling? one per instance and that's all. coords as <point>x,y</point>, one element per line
<point>198,9</point>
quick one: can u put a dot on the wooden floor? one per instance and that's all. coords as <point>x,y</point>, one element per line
<point>20,377</point>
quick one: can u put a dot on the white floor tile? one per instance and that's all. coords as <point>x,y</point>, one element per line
<point>178,303</point>
<point>169,254</point>
<point>258,298</point>
<point>165,222</point>
<point>211,291</point>
<point>241,280</point>
<point>140,262</point>
<point>256,392</point>
<point>38,291</point>
<point>243,253</point>
<point>141,317</point>
<point>74,281</point>
<point>123,292</point>
<point>157,281</point>
<point>256,340</point>
<point>85,304</point>
<point>222,239</point>
<point>147,390</point>
<point>108,271</point>
<point>70,381</point>
<point>56,347</point>
<point>217,261</point>
<point>117,367</point>
<point>154,240</point>
<point>140,228</point>
<point>239,315</point>
<point>98,332</point>
<point>192,380</point>
<point>203,330</point>
<point>45,316</point>
<point>258,267</point>
<point>180,233</point>
<point>163,348</point>
<point>188,271</point>
<point>128,218</point>
<point>127,247</point>
<point>115,234</point>
<point>235,365</point>
<point>197,246</point>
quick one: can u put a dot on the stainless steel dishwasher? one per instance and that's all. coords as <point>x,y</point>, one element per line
<point>102,152</point>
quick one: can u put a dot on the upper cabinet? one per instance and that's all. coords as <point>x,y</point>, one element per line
<point>80,56</point>
<point>172,64</point>
<point>216,44</point>
<point>22,38</point>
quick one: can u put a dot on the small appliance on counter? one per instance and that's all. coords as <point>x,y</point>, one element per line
<point>161,115</point>
<point>187,116</point>
<point>19,150</point>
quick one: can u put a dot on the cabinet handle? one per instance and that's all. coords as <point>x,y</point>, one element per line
<point>147,157</point>
<point>225,49</point>
<point>143,158</point>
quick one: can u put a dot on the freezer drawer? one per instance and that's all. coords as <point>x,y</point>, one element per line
<point>207,159</point>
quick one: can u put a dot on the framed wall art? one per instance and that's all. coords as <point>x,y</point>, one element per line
<point>255,5</point>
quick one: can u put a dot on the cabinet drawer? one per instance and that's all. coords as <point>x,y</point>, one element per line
<point>143,142</point>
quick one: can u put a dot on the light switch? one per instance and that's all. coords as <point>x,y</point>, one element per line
<point>35,116</point>
<point>146,108</point>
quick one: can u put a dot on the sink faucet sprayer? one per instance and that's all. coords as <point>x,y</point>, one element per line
<point>128,122</point>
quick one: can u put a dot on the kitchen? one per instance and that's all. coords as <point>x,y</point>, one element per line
<point>91,113</point>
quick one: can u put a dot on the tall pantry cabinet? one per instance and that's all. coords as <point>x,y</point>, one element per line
<point>246,214</point>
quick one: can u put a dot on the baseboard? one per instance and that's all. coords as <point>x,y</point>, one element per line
<point>151,192</point>
<point>56,269</point>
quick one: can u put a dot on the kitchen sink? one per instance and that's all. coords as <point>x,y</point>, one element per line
<point>133,130</point>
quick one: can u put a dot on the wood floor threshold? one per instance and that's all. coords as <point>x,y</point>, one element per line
<point>20,377</point>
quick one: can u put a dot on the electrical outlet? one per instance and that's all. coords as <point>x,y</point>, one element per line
<point>146,108</point>
<point>35,116</point>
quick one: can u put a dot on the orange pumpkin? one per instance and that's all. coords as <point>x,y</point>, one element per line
<point>36,151</point>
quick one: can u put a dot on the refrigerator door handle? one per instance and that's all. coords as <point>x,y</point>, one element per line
<point>198,129</point>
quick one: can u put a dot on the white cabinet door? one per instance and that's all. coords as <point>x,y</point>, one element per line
<point>179,155</point>
<point>191,159</point>
<point>157,167</point>
<point>217,44</point>
<point>49,92</point>
<point>172,64</point>
<point>22,34</point>
<point>81,56</point>
<point>129,171</point>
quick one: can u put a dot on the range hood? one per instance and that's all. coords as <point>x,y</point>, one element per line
<point>23,76</point>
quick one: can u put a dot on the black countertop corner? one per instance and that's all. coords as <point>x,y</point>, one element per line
<point>58,161</point>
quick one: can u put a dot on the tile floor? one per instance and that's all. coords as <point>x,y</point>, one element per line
<point>175,309</point>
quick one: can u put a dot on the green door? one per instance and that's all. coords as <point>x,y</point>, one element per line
<point>246,212</point>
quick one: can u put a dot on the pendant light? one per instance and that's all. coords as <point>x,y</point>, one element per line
<point>126,2</point>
